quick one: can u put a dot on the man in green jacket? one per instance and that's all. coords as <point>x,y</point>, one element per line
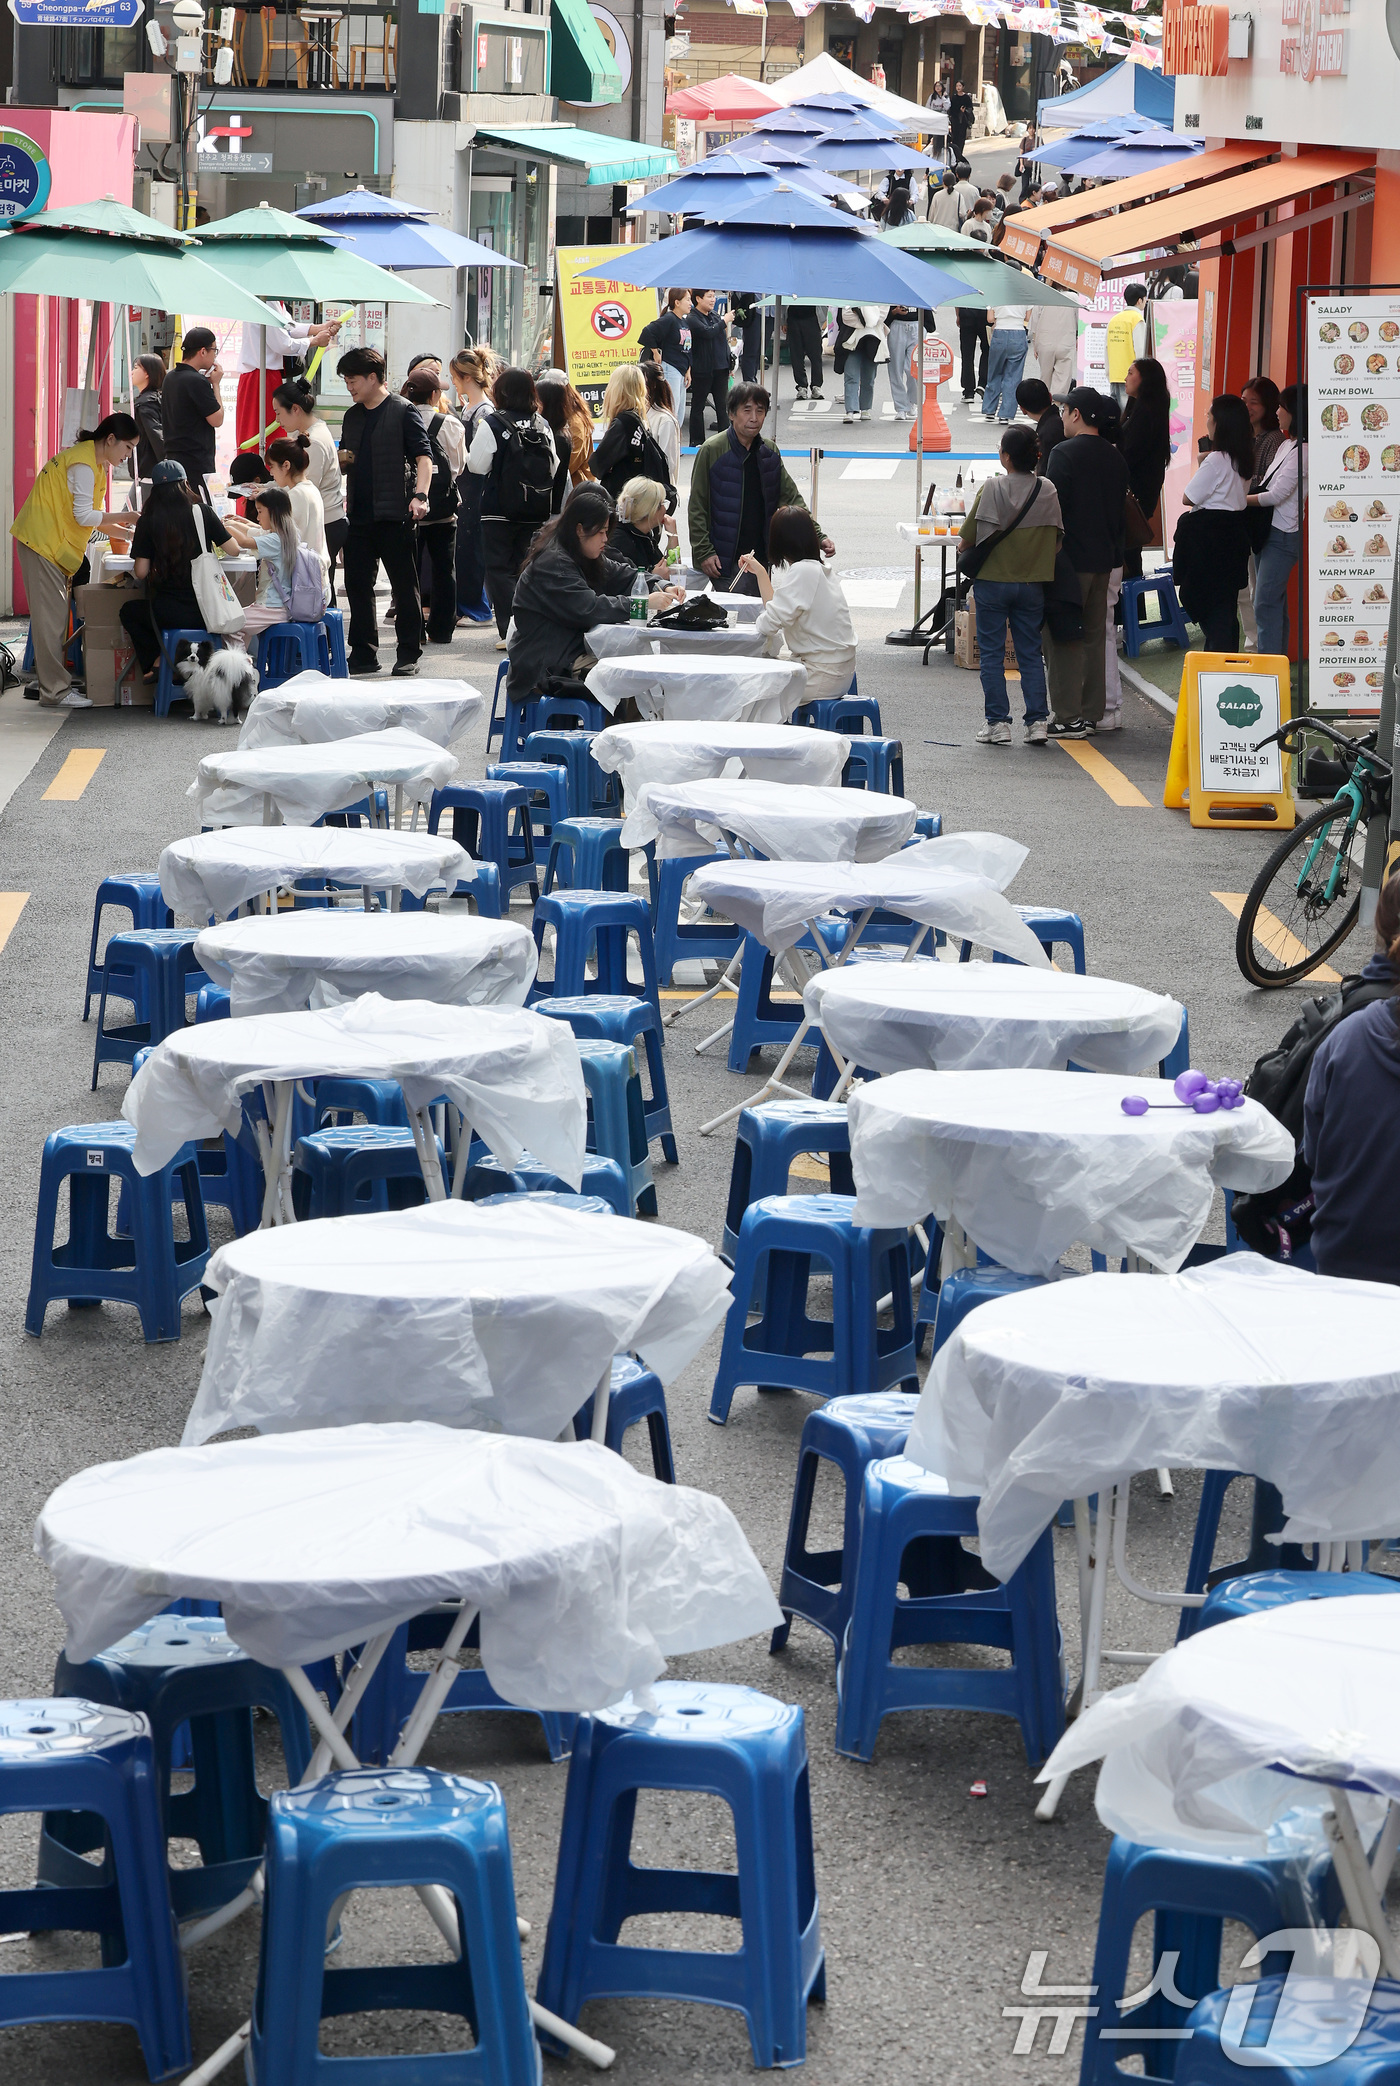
<point>738,484</point>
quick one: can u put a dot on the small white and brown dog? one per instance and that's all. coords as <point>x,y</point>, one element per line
<point>222,680</point>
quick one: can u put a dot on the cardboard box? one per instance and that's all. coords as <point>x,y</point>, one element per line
<point>965,652</point>
<point>109,662</point>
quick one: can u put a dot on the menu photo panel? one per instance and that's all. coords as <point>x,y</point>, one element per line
<point>1353,495</point>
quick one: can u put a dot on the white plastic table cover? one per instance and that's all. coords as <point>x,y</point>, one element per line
<point>630,640</point>
<point>217,872</point>
<point>1240,1365</point>
<point>515,1075</point>
<point>312,708</point>
<point>686,685</point>
<point>273,964</point>
<point>587,1574</point>
<point>789,822</point>
<point>504,1318</point>
<point>1190,1750</point>
<point>668,751</point>
<point>774,900</point>
<point>965,1016</point>
<point>1030,1162</point>
<point>305,782</point>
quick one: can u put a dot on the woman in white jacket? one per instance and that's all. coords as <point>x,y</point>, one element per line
<point>861,342</point>
<point>803,602</point>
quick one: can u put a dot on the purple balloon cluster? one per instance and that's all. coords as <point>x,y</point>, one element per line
<point>1194,1091</point>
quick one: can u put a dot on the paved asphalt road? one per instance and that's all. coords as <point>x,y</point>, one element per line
<point>932,1898</point>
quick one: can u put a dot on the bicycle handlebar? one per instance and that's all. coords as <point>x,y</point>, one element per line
<point>1288,739</point>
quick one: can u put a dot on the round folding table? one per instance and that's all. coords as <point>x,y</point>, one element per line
<point>513,1076</point>
<point>312,709</point>
<point>630,640</point>
<point>219,871</point>
<point>965,1016</point>
<point>585,1574</point>
<point>1029,1163</point>
<point>504,1318</point>
<point>787,822</point>
<point>666,751</point>
<point>272,964</point>
<point>299,784</point>
<point>686,685</point>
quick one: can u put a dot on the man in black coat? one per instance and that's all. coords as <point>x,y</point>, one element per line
<point>709,363</point>
<point>382,442</point>
<point>1091,478</point>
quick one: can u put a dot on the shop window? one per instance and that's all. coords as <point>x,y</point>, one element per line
<point>99,57</point>
<point>843,50</point>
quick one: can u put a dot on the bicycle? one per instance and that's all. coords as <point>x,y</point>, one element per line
<point>1309,888</point>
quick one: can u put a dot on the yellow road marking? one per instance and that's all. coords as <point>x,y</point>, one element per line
<point>667,993</point>
<point>1112,781</point>
<point>75,774</point>
<point>1270,930</point>
<point>12,904</point>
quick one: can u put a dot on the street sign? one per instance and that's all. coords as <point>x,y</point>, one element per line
<point>938,359</point>
<point>1217,768</point>
<point>24,176</point>
<point>77,14</point>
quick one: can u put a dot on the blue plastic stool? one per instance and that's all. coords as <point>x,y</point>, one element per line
<point>1189,1896</point>
<point>570,713</point>
<point>1291,2027</point>
<point>291,648</point>
<point>965,1288</point>
<point>679,941</point>
<point>1049,925</point>
<point>495,724</point>
<point>367,811</point>
<point>729,1742</point>
<point>621,1019</point>
<point>636,1395</point>
<point>180,1671</point>
<point>517,725</point>
<point>875,764</point>
<point>1173,624</point>
<point>780,1237</point>
<point>597,860</point>
<point>549,797</point>
<point>759,1019</point>
<point>1178,1058</point>
<point>589,788</point>
<point>158,961</point>
<point>1261,1591</point>
<point>766,1142</point>
<point>168,689</point>
<point>603,1182</point>
<point>617,1127</point>
<point>1267,1518</point>
<point>148,1267</point>
<point>333,659</point>
<point>559,1198</point>
<point>841,713</point>
<point>492,821</point>
<point>347,1173</point>
<point>958,1602</point>
<point>819,1586</point>
<point>78,1757</point>
<point>342,1103</point>
<point>601,924</point>
<point>382,1828</point>
<point>927,826</point>
<point>138,893</point>
<point>481,887</point>
<point>394,1687</point>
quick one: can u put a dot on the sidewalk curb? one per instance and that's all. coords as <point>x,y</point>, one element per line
<point>1154,695</point>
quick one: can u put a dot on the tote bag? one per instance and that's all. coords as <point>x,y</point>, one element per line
<point>218,604</point>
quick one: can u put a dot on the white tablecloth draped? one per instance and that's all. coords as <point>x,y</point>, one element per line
<point>684,686</point>
<point>630,640</point>
<point>305,782</point>
<point>274,964</point>
<point>588,1575</point>
<point>787,822</point>
<point>312,709</point>
<point>219,871</point>
<point>502,1318</point>
<point>666,751</point>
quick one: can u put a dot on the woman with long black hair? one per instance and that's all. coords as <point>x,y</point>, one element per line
<point>164,546</point>
<point>1210,561</point>
<point>147,376</point>
<point>1146,443</point>
<point>568,584</point>
<point>294,403</point>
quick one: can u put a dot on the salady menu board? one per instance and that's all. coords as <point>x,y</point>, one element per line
<point>1353,489</point>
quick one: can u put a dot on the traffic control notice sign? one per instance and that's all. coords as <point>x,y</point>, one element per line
<point>600,322</point>
<point>1217,767</point>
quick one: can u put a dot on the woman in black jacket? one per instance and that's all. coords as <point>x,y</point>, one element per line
<point>147,376</point>
<point>1146,444</point>
<point>567,585</point>
<point>629,449</point>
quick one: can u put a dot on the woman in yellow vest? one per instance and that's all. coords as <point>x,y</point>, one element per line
<point>51,534</point>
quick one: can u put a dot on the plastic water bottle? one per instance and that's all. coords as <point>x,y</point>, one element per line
<point>640,592</point>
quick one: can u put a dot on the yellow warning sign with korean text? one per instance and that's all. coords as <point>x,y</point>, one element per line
<point>601,321</point>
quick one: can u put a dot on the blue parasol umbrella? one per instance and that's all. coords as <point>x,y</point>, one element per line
<point>831,110</point>
<point>832,259</point>
<point>1135,156</point>
<point>845,151</point>
<point>715,185</point>
<point>1082,144</point>
<point>393,235</point>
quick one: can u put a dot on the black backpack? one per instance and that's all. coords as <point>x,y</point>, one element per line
<point>525,465</point>
<point>442,488</point>
<point>646,459</point>
<point>1279,1220</point>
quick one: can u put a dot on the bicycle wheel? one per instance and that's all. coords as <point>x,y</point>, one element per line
<point>1289,924</point>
